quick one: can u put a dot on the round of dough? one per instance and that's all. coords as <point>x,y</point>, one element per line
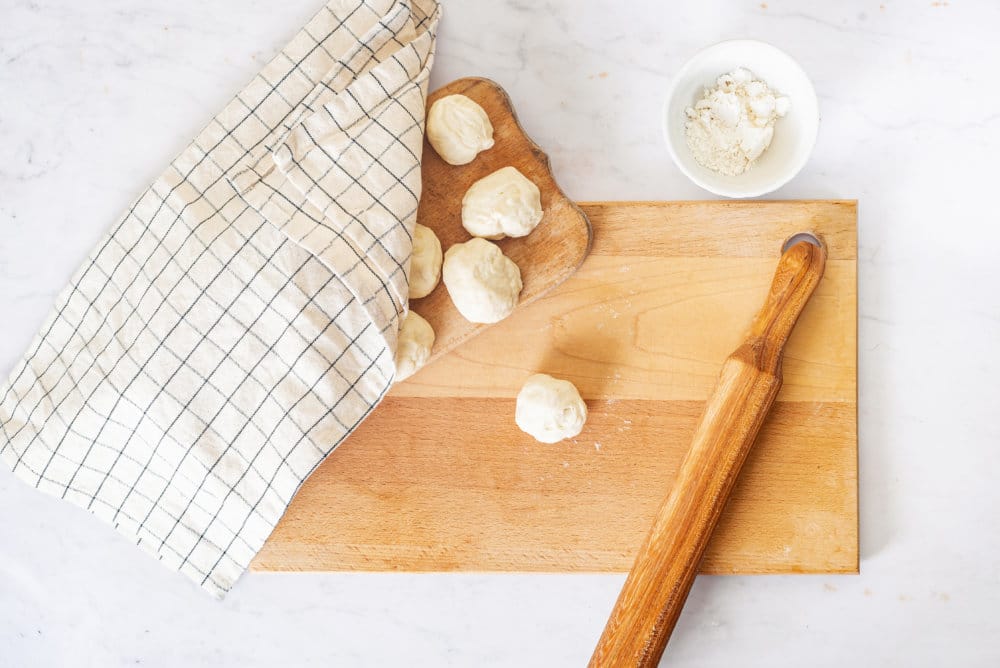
<point>503,204</point>
<point>458,129</point>
<point>425,264</point>
<point>482,281</point>
<point>413,346</point>
<point>550,409</point>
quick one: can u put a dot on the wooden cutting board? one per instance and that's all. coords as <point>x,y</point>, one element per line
<point>440,479</point>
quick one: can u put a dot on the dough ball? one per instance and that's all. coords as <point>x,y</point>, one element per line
<point>458,129</point>
<point>503,204</point>
<point>425,264</point>
<point>482,281</point>
<point>550,409</point>
<point>413,347</point>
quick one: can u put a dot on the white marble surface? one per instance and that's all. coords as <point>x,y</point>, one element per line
<point>911,127</point>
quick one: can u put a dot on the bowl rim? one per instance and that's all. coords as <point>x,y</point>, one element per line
<point>681,75</point>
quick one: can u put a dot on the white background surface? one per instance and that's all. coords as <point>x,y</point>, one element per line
<point>911,127</point>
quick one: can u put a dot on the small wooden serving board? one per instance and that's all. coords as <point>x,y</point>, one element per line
<point>546,257</point>
<point>439,478</point>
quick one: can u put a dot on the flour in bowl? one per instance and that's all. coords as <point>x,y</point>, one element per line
<point>733,123</point>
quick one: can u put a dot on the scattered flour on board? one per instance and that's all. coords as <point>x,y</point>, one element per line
<point>611,310</point>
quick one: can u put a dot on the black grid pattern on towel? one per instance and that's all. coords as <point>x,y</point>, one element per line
<point>238,321</point>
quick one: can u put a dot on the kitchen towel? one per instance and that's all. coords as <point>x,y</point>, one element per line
<point>240,320</point>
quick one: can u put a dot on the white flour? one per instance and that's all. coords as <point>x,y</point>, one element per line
<point>733,123</point>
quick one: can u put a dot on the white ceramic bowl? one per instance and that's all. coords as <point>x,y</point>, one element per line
<point>794,134</point>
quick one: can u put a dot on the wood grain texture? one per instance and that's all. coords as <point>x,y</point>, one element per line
<point>664,570</point>
<point>440,479</point>
<point>546,257</point>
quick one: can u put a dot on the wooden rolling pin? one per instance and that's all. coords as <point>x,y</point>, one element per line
<point>661,577</point>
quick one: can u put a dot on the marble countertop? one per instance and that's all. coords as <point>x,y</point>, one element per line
<point>910,127</point>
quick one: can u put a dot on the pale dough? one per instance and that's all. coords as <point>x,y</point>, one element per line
<point>413,346</point>
<point>458,129</point>
<point>482,281</point>
<point>550,409</point>
<point>425,263</point>
<point>503,204</point>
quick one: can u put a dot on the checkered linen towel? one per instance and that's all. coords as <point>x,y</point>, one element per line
<point>240,320</point>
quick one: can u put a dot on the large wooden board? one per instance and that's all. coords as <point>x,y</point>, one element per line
<point>440,479</point>
<point>546,257</point>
